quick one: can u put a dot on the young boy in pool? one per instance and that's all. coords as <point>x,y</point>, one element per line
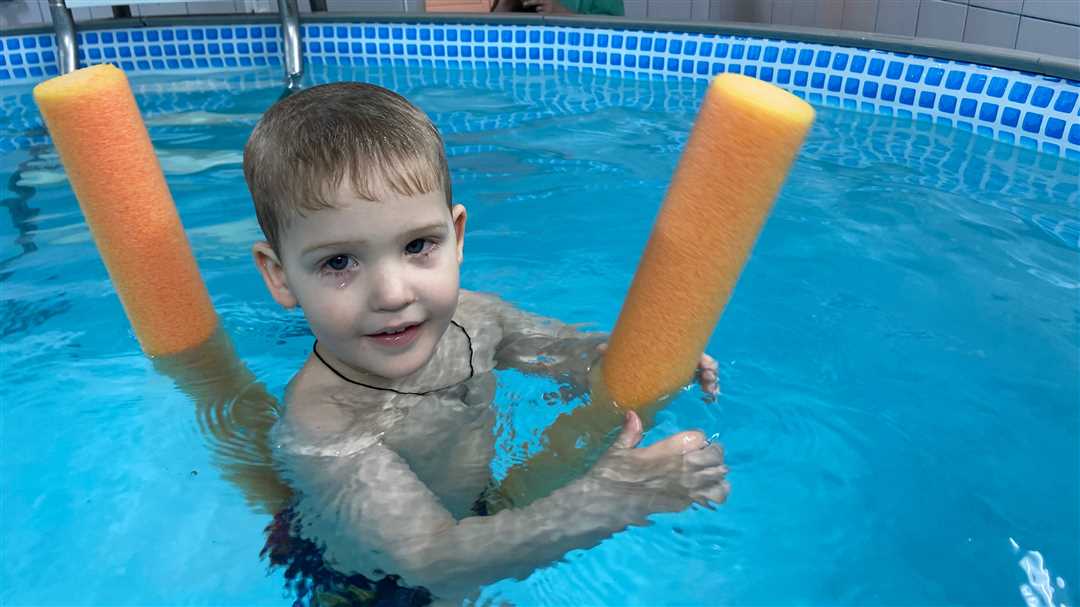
<point>387,436</point>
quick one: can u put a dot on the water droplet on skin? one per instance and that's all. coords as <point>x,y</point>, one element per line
<point>341,286</point>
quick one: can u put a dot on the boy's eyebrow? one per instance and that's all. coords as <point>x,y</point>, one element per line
<point>331,245</point>
<point>345,243</point>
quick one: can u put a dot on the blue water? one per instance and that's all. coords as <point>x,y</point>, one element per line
<point>899,362</point>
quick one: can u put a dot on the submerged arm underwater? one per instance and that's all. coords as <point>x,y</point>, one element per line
<point>545,346</point>
<point>235,414</point>
<point>375,515</point>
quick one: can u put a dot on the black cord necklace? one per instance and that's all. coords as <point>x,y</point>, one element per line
<point>315,351</point>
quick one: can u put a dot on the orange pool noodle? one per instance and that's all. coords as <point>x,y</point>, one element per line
<point>743,142</point>
<point>95,124</point>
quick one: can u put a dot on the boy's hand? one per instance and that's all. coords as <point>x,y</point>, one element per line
<point>669,475</point>
<point>707,374</point>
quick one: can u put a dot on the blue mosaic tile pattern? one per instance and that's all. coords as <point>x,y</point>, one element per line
<point>1025,109</point>
<point>32,58</point>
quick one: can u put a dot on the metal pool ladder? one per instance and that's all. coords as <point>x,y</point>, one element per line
<point>68,51</point>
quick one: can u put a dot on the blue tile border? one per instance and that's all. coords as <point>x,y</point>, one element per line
<point>1025,109</point>
<point>31,58</point>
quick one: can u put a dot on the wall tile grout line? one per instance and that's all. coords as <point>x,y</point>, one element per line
<point>1019,22</point>
<point>963,26</point>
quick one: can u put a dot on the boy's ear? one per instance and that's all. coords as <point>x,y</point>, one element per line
<point>273,274</point>
<point>459,216</point>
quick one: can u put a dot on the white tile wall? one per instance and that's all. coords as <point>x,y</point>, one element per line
<point>783,12</point>
<point>256,6</point>
<point>830,13</point>
<point>87,14</point>
<point>1004,6</point>
<point>897,17</point>
<point>804,13</point>
<point>859,15</point>
<point>989,27</point>
<point>634,9</point>
<point>364,6</point>
<point>210,8</point>
<point>759,11</point>
<point>720,11</point>
<point>700,10</point>
<point>682,10</point>
<point>1048,37</point>
<point>941,20</point>
<point>1062,11</point>
<point>157,9</point>
<point>1044,26</point>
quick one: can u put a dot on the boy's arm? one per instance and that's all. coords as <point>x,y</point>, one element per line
<point>546,346</point>
<point>372,512</point>
<point>235,413</point>
<point>550,347</point>
<point>536,344</point>
<point>539,345</point>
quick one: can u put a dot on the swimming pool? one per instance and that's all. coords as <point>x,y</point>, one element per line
<point>899,362</point>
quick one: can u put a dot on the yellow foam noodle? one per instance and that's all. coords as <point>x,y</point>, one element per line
<point>742,144</point>
<point>97,129</point>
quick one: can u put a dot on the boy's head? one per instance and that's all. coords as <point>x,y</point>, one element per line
<point>307,144</point>
<point>352,191</point>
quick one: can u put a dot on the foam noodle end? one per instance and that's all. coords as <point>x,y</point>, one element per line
<point>95,124</point>
<point>741,147</point>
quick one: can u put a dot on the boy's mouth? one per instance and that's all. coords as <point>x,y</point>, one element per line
<point>401,335</point>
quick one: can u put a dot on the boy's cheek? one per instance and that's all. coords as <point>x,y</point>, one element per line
<point>445,290</point>
<point>324,317</point>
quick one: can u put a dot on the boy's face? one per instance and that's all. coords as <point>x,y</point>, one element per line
<point>378,281</point>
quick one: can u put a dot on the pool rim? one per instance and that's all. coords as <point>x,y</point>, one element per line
<point>999,57</point>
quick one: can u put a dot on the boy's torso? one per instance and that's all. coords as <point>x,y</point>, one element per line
<point>446,436</point>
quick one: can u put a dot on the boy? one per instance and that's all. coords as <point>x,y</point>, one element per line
<point>387,435</point>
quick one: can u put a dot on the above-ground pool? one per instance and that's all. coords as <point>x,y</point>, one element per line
<point>899,363</point>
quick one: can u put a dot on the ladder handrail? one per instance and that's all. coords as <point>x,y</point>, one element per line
<point>68,49</point>
<point>292,45</point>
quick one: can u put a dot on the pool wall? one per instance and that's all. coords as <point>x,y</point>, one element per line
<point>1024,108</point>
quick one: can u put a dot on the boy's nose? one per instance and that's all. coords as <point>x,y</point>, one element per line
<point>390,290</point>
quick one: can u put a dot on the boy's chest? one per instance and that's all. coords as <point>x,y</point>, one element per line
<point>448,441</point>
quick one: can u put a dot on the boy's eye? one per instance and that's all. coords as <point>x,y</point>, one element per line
<point>415,247</point>
<point>338,263</point>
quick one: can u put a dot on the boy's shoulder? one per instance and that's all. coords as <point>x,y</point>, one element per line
<point>486,309</point>
<point>471,300</point>
<point>311,409</point>
<point>481,314</point>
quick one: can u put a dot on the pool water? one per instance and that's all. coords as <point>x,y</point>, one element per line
<point>899,362</point>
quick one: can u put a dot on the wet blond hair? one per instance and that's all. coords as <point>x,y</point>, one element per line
<point>306,144</point>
